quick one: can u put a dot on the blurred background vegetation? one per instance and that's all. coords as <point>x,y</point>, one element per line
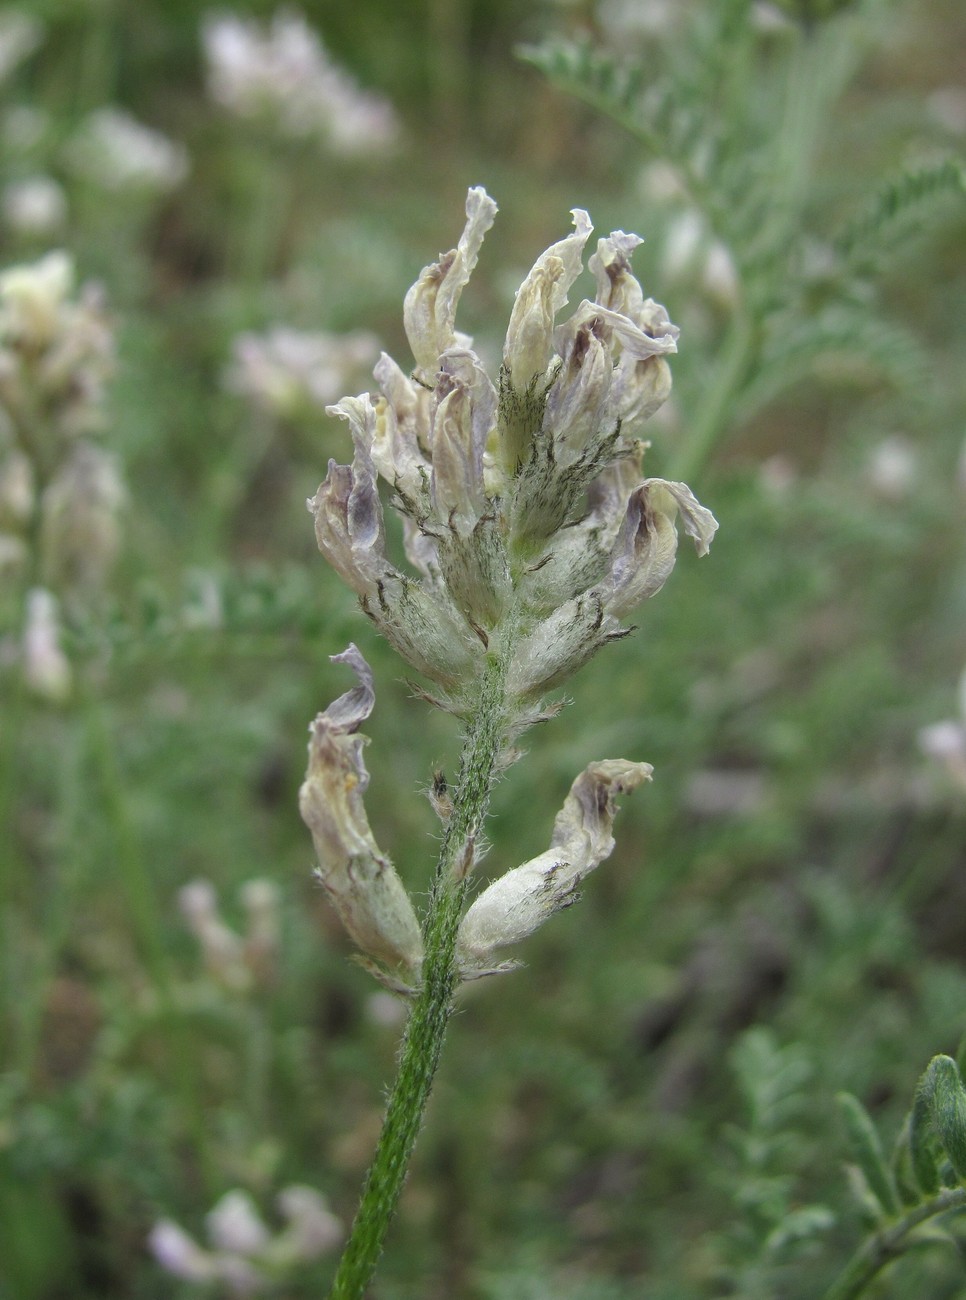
<point>641,1109</point>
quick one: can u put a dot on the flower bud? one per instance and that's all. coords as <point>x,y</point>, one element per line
<point>520,901</point>
<point>358,878</point>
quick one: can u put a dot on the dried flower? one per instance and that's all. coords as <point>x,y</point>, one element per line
<point>522,899</point>
<point>533,530</point>
<point>358,878</point>
<point>523,501</point>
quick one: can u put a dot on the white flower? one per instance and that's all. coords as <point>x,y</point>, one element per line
<point>46,668</point>
<point>893,467</point>
<point>946,741</point>
<point>221,948</point>
<point>245,1255</point>
<point>114,150</point>
<point>235,1226</point>
<point>285,76</point>
<point>33,297</point>
<point>287,371</point>
<point>36,205</point>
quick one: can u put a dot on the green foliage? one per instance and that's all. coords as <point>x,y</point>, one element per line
<point>772,1228</point>
<point>743,115</point>
<point>788,894</point>
<point>909,1214</point>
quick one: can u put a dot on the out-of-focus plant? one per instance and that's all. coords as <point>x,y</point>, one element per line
<point>946,741</point>
<point>734,102</point>
<point>772,1228</point>
<point>244,1255</point>
<point>913,1199</point>
<point>60,491</point>
<point>280,83</point>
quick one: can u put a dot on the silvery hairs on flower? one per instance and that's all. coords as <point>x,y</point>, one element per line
<point>530,529</point>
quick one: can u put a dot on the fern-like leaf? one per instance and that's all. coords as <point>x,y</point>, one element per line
<point>898,199</point>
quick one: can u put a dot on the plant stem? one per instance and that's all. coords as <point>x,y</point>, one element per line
<point>717,408</point>
<point>886,1246</point>
<point>433,1004</point>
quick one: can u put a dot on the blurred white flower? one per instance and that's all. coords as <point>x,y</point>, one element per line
<point>720,275</point>
<point>56,350</point>
<point>287,371</point>
<point>245,1255</point>
<point>285,76</point>
<point>893,467</point>
<point>946,741</point>
<point>179,1254</point>
<point>769,18</point>
<point>45,666</point>
<point>36,205</point>
<point>114,150</point>
<point>312,1228</point>
<point>80,518</point>
<point>682,241</point>
<point>32,298</point>
<point>235,1225</point>
<point>621,20</point>
<point>20,35</point>
<point>233,960</point>
<point>947,107</point>
<point>386,1010</point>
<point>221,948</point>
<point>660,182</point>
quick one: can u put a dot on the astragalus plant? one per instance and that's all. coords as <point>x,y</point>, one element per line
<point>531,533</point>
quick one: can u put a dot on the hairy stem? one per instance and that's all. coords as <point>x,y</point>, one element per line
<point>433,1004</point>
<point>886,1246</point>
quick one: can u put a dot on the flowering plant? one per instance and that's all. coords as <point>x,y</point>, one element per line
<point>533,532</point>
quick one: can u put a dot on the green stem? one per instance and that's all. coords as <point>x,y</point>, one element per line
<point>433,1004</point>
<point>886,1246</point>
<point>717,408</point>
